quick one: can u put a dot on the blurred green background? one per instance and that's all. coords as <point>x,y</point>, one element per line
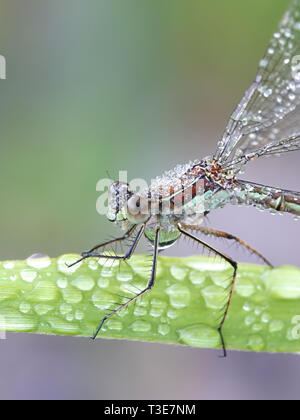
<point>137,85</point>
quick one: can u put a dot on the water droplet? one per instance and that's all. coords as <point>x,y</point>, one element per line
<point>72,295</point>
<point>65,260</point>
<point>102,300</point>
<point>158,303</point>
<point>125,273</point>
<point>123,313</point>
<point>250,320</point>
<point>107,272</point>
<point>179,296</point>
<point>8,265</point>
<point>39,261</point>
<point>142,302</point>
<point>291,336</point>
<point>197,278</point>
<point>114,325</point>
<point>264,63</point>
<point>200,335</point>
<point>70,317</point>
<point>112,263</point>
<point>65,309</point>
<point>179,273</point>
<point>157,308</point>
<point>257,328</point>
<point>172,314</point>
<point>62,283</point>
<point>93,265</point>
<point>292,97</point>
<point>292,86</point>
<point>276,326</point>
<point>258,311</point>
<point>28,275</point>
<point>245,287</point>
<point>84,283</point>
<point>287,33</point>
<point>103,283</point>
<point>256,343</point>
<point>79,315</point>
<point>138,266</point>
<point>222,279</point>
<point>140,326</point>
<point>44,326</point>
<point>139,311</point>
<point>205,265</point>
<point>132,289</point>
<point>43,309</point>
<point>156,312</point>
<point>163,329</point>
<point>248,307</point>
<point>266,318</point>
<point>214,297</point>
<point>25,307</point>
<point>283,283</point>
<point>268,93</point>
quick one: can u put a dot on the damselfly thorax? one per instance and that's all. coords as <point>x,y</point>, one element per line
<point>183,195</point>
<point>265,123</point>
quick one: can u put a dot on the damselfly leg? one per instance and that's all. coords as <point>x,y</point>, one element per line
<point>127,256</point>
<point>142,292</point>
<point>233,263</point>
<point>224,235</point>
<point>127,235</point>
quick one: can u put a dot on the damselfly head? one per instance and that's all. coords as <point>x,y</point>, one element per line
<point>123,205</point>
<point>118,195</point>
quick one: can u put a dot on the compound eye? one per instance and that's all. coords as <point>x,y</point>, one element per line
<point>137,209</point>
<point>134,205</point>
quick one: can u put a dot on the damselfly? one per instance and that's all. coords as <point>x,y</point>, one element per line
<point>266,122</point>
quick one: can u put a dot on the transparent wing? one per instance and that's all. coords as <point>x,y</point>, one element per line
<point>270,109</point>
<point>287,144</point>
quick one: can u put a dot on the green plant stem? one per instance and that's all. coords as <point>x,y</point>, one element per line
<point>42,295</point>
